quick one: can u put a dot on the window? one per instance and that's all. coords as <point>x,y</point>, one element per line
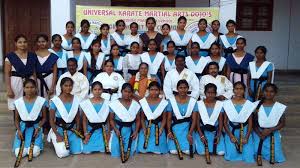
<point>254,15</point>
<point>144,3</point>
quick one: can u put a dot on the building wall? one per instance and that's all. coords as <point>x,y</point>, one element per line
<point>282,42</point>
<point>293,56</point>
<point>277,40</point>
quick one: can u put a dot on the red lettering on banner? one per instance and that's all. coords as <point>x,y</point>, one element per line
<point>99,12</point>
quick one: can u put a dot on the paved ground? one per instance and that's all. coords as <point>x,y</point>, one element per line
<point>289,94</point>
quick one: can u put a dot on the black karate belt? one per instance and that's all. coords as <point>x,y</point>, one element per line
<point>96,126</point>
<point>175,122</point>
<point>211,128</point>
<point>180,49</point>
<point>155,122</point>
<point>94,73</point>
<point>23,76</point>
<point>241,72</point>
<point>228,51</point>
<point>28,124</point>
<point>258,87</point>
<point>123,50</point>
<point>110,91</point>
<point>234,127</point>
<point>133,72</point>
<point>272,150</point>
<point>68,126</point>
<point>43,84</point>
<point>119,72</point>
<point>121,124</point>
<point>206,50</point>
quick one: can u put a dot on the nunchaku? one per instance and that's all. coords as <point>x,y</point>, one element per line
<point>123,160</point>
<point>179,152</point>
<point>105,139</point>
<point>241,138</point>
<point>156,135</point>
<point>272,149</point>
<point>22,145</point>
<point>77,133</point>
<point>207,155</point>
<point>128,148</point>
<point>30,155</point>
<point>147,135</point>
<point>258,92</point>
<point>66,141</point>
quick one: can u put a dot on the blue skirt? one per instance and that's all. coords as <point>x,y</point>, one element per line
<point>74,141</point>
<point>232,154</point>
<point>114,142</point>
<point>160,148</point>
<point>252,87</point>
<point>28,135</point>
<point>181,131</point>
<point>200,149</point>
<point>279,156</point>
<point>96,142</point>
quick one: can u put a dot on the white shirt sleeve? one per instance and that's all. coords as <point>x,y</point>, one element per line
<point>168,86</point>
<point>202,86</point>
<point>195,87</point>
<point>84,87</point>
<point>228,89</point>
<point>125,68</point>
<point>121,81</point>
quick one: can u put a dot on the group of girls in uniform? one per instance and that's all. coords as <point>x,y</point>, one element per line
<point>126,111</point>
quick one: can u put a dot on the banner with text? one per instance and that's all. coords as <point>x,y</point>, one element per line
<point>98,15</point>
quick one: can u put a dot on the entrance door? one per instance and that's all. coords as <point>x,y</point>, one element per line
<point>28,17</point>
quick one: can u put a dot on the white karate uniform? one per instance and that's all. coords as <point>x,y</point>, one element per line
<point>224,86</point>
<point>80,87</point>
<point>172,78</point>
<point>112,81</point>
<point>131,62</point>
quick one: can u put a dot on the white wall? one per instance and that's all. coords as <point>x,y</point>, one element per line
<point>227,11</point>
<point>294,57</point>
<point>60,14</point>
<point>277,40</point>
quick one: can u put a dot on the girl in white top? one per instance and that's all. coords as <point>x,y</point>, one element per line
<point>84,35</point>
<point>105,39</point>
<point>58,50</point>
<point>111,81</point>
<point>78,54</point>
<point>215,56</point>
<point>67,38</point>
<point>170,56</point>
<point>204,38</point>
<point>132,61</point>
<point>228,40</point>
<point>181,37</point>
<point>117,59</point>
<point>95,60</point>
<point>165,30</point>
<point>134,36</point>
<point>155,60</point>
<point>46,68</point>
<point>119,38</point>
